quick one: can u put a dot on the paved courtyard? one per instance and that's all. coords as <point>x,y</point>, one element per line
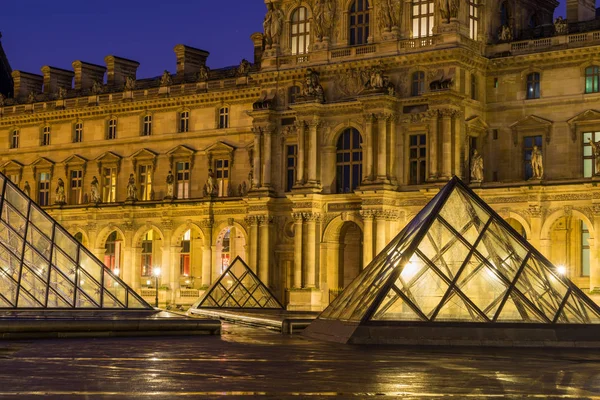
<point>257,362</point>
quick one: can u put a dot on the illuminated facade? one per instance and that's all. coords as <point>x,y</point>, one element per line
<point>309,160</point>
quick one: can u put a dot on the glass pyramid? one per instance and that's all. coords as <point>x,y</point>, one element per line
<point>459,261</point>
<point>43,267</point>
<point>238,287</point>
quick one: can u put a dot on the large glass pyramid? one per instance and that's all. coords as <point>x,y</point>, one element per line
<point>43,267</point>
<point>238,287</point>
<point>458,261</point>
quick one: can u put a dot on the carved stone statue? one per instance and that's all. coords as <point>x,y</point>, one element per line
<point>596,150</point>
<point>560,26</point>
<point>165,79</point>
<point>537,163</point>
<point>31,97</point>
<point>95,191</point>
<point>376,78</point>
<point>505,34</point>
<point>131,189</point>
<point>243,68</point>
<point>211,183</point>
<point>273,24</point>
<point>324,16</point>
<point>97,87</point>
<point>444,10</point>
<point>312,86</point>
<point>242,189</point>
<point>476,167</point>
<point>60,192</point>
<point>453,8</point>
<point>129,83</point>
<point>389,13</point>
<point>170,184</point>
<point>203,73</point>
<point>27,189</point>
<point>62,93</point>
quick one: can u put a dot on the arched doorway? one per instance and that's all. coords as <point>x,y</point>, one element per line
<point>189,260</point>
<point>150,257</point>
<point>570,248</point>
<point>113,252</point>
<point>230,244</point>
<point>351,258</point>
<point>517,226</point>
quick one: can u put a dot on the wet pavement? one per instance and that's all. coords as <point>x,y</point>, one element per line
<point>248,361</point>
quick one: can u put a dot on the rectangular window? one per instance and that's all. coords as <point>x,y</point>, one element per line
<point>78,133</point>
<point>44,189</point>
<point>46,136</point>
<point>109,185</point>
<point>292,162</point>
<point>533,86</point>
<point>183,180</point>
<point>588,153</point>
<point>184,258</point>
<point>184,121</point>
<point>14,139</point>
<point>585,250</point>
<point>422,18</point>
<point>528,143</point>
<point>417,159</point>
<point>112,129</point>
<point>76,187</point>
<point>222,175</point>
<point>224,118</point>
<point>145,179</point>
<point>146,259</point>
<point>473,19</point>
<point>592,79</point>
<point>147,128</point>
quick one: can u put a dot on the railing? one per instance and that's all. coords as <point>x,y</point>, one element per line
<point>189,293</point>
<point>145,292</point>
<point>417,43</point>
<point>525,46</point>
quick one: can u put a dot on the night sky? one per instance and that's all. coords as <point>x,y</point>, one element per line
<point>56,33</point>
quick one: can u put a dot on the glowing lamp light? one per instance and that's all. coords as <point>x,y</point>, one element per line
<point>187,282</point>
<point>148,282</point>
<point>156,271</point>
<point>561,269</point>
<point>117,271</point>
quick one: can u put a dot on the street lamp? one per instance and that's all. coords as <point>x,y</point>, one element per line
<point>156,274</point>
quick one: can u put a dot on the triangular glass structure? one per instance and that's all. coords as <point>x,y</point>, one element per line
<point>238,287</point>
<point>459,261</point>
<point>43,267</point>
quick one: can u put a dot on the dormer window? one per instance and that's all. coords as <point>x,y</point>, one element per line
<point>300,31</point>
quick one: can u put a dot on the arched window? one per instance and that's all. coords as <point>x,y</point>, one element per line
<point>592,79</point>
<point>418,83</point>
<point>422,18</point>
<point>185,254</point>
<point>533,85</point>
<point>300,31</point>
<point>359,22</point>
<point>112,252</point>
<point>349,161</point>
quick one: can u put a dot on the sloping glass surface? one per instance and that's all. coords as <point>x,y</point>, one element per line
<point>43,266</point>
<point>459,261</point>
<point>238,287</point>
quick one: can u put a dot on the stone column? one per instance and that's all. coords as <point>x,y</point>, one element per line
<point>459,138</point>
<point>368,170</point>
<point>297,275</point>
<point>253,222</point>
<point>382,148</point>
<point>310,250</point>
<point>257,157</point>
<point>447,143</point>
<point>265,251</point>
<point>128,269</point>
<point>595,252</point>
<point>391,172</point>
<point>267,151</point>
<point>301,127</point>
<point>367,217</point>
<point>433,146</point>
<point>134,259</point>
<point>313,144</point>
<point>216,264</point>
<point>381,224</point>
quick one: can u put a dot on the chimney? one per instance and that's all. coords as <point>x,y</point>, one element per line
<point>257,38</point>
<point>189,60</point>
<point>581,10</point>
<point>25,82</point>
<point>86,74</point>
<point>55,78</point>
<point>119,69</point>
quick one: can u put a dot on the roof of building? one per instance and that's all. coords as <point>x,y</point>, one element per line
<point>6,82</point>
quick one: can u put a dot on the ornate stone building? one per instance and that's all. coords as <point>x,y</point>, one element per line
<point>308,160</point>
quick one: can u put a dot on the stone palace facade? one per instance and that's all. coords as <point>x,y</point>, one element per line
<point>306,161</point>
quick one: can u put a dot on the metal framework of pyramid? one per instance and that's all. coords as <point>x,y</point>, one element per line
<point>43,267</point>
<point>238,288</point>
<point>459,261</point>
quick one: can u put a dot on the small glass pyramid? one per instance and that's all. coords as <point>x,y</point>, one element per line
<point>458,261</point>
<point>238,287</point>
<point>43,267</point>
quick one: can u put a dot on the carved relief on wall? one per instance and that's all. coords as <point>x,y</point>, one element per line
<point>324,19</point>
<point>351,83</point>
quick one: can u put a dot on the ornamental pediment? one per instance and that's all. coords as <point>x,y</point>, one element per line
<point>75,160</point>
<point>144,154</point>
<point>220,147</point>
<point>109,157</point>
<point>531,122</point>
<point>476,123</point>
<point>587,115</point>
<point>43,162</point>
<point>181,151</point>
<point>11,166</point>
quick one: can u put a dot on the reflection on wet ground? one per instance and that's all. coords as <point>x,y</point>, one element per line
<point>256,362</point>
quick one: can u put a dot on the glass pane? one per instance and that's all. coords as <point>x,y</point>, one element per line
<point>66,243</point>
<point>90,265</point>
<point>18,200</point>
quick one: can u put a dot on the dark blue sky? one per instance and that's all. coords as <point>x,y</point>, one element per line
<point>56,33</point>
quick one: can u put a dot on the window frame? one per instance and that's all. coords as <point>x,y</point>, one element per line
<point>592,73</point>
<point>350,166</point>
<point>417,87</point>
<point>15,138</point>
<point>585,247</point>
<point>359,32</point>
<point>145,179</point>
<point>43,191</point>
<point>474,19</point>
<point>109,188</point>
<point>183,185</point>
<point>78,132</point>
<point>76,192</point>
<point>183,121</point>
<point>112,127</point>
<point>420,160</point>
<point>291,170</point>
<point>422,21</point>
<point>299,37</point>
<point>222,175</point>
<point>46,136</point>
<point>533,86</point>
<point>223,117</point>
<point>147,121</point>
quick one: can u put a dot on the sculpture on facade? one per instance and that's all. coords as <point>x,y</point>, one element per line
<point>243,68</point>
<point>129,83</point>
<point>95,191</point>
<point>272,25</point>
<point>97,88</point>
<point>324,16</point>
<point>476,167</point>
<point>389,14</point>
<point>376,79</point>
<point>560,26</point>
<point>60,192</point>
<point>62,93</point>
<point>537,163</point>
<point>203,73</point>
<point>243,189</point>
<point>596,151</point>
<point>170,185</point>
<point>444,10</point>
<point>312,86</point>
<point>131,189</point>
<point>31,97</point>
<point>505,34</point>
<point>27,189</point>
<point>453,8</point>
<point>165,79</point>
<point>211,183</point>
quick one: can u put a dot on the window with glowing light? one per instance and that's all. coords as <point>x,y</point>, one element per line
<point>146,256</point>
<point>184,257</point>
